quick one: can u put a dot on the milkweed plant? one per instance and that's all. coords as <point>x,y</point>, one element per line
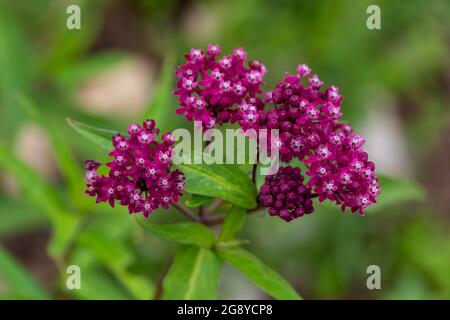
<point>215,91</point>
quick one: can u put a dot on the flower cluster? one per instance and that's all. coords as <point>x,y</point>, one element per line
<point>216,90</point>
<point>220,90</point>
<point>308,122</point>
<point>286,195</point>
<point>302,113</point>
<point>139,175</point>
<point>341,172</point>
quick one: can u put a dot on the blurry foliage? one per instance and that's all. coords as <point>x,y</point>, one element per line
<point>325,255</point>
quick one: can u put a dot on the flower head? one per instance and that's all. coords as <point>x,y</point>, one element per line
<point>210,88</point>
<point>286,195</point>
<point>309,129</point>
<point>139,173</point>
<point>345,176</point>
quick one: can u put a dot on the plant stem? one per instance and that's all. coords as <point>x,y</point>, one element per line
<point>214,206</point>
<point>201,213</point>
<point>209,221</point>
<point>185,211</point>
<point>255,167</point>
<point>213,220</point>
<point>159,285</point>
<point>254,209</point>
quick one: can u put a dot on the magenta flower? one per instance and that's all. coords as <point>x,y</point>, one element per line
<point>344,175</point>
<point>302,113</point>
<point>217,90</point>
<point>227,89</point>
<point>210,89</point>
<point>139,174</point>
<point>308,122</point>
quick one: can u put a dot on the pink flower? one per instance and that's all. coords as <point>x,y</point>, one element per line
<point>309,130</point>
<point>139,174</point>
<point>221,84</point>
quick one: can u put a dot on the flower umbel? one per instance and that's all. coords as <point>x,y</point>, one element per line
<point>210,88</point>
<point>302,113</point>
<point>341,172</point>
<point>218,90</point>
<point>308,122</point>
<point>139,174</point>
<point>286,195</point>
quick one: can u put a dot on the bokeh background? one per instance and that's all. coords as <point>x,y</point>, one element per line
<point>397,87</point>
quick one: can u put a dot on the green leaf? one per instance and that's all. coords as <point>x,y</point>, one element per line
<point>196,200</point>
<point>98,285</point>
<point>16,65</point>
<point>65,159</point>
<point>160,107</point>
<point>117,225</point>
<point>17,216</point>
<point>395,191</point>
<point>115,256</point>
<point>17,279</point>
<point>110,252</point>
<point>81,71</point>
<point>218,181</point>
<point>233,223</point>
<point>65,227</point>
<point>45,197</point>
<point>68,47</point>
<point>263,276</point>
<point>183,232</point>
<point>139,286</point>
<point>194,274</point>
<point>99,136</point>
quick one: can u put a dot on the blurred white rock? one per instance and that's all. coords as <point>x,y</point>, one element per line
<point>385,140</point>
<point>33,146</point>
<point>121,92</point>
<point>200,23</point>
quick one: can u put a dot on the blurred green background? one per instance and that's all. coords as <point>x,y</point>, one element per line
<point>397,87</point>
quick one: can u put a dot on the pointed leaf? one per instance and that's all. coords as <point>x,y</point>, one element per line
<point>45,197</point>
<point>98,285</point>
<point>182,232</point>
<point>99,136</point>
<point>160,109</point>
<point>194,275</point>
<point>17,279</point>
<point>109,251</point>
<point>116,257</point>
<point>217,180</point>
<point>65,158</point>
<point>18,216</point>
<point>16,69</point>
<point>233,223</point>
<point>197,200</point>
<point>263,276</point>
